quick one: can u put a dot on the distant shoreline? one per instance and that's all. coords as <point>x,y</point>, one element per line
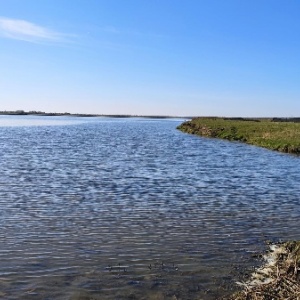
<point>66,114</point>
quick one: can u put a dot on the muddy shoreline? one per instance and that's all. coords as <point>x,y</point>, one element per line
<point>278,278</point>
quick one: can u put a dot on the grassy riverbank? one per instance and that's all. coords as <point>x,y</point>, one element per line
<point>278,279</point>
<point>275,134</point>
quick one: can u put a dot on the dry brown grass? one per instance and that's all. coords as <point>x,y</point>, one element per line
<point>278,279</point>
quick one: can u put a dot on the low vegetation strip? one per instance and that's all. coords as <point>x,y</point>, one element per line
<point>275,134</point>
<point>278,279</point>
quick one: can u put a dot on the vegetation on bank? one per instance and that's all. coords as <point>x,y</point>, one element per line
<point>278,279</point>
<point>276,134</point>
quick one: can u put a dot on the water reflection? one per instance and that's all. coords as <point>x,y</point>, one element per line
<point>133,209</point>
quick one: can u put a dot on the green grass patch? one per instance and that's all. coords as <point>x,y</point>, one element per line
<point>267,133</point>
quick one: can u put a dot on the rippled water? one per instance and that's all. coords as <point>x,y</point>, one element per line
<point>134,209</point>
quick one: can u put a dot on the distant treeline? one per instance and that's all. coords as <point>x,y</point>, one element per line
<point>22,112</point>
<point>295,120</point>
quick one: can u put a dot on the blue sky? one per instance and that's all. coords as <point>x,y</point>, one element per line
<point>145,57</point>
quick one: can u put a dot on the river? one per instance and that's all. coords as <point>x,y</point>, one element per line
<point>131,208</point>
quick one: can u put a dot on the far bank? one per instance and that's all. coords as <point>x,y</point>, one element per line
<point>275,134</point>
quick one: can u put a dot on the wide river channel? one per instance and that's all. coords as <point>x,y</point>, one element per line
<point>102,208</point>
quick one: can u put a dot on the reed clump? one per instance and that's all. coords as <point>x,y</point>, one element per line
<point>278,279</point>
<point>274,134</point>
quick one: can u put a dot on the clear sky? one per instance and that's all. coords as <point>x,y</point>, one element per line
<point>145,57</point>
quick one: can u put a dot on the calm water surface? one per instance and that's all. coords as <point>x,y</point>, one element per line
<point>134,209</point>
